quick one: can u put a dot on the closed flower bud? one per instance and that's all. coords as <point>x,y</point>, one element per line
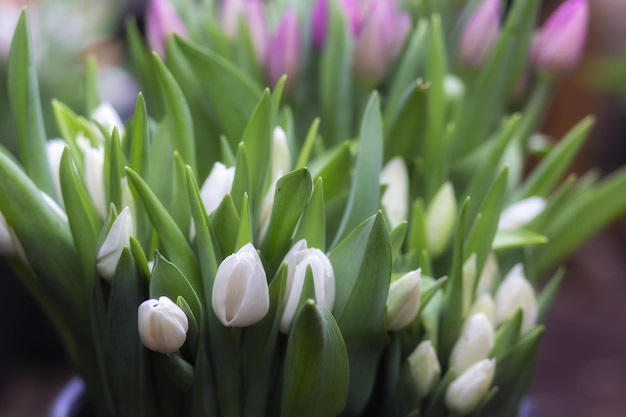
<point>161,21</point>
<point>521,213</point>
<point>216,186</point>
<point>469,279</point>
<point>94,175</point>
<point>380,36</point>
<point>467,391</point>
<point>54,152</point>
<point>440,218</point>
<point>113,246</point>
<point>162,325</point>
<point>320,17</point>
<point>403,300</point>
<point>480,34</point>
<point>477,339</point>
<point>488,276</point>
<point>240,293</point>
<point>515,293</point>
<point>425,368</point>
<point>395,200</point>
<point>298,259</point>
<point>559,44</point>
<point>281,157</point>
<point>106,115</point>
<point>484,304</point>
<point>283,52</point>
<point>251,13</point>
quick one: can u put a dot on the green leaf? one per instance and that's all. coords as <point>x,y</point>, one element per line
<point>362,266</point>
<point>245,234</point>
<point>548,294</point>
<point>364,199</point>
<point>115,163</point>
<point>241,181</point>
<point>335,78</point>
<point>177,115</point>
<point>332,166</point>
<point>168,280</point>
<point>25,102</point>
<point>144,66</point>
<point>518,238</point>
<point>316,365</point>
<point>233,95</point>
<point>292,194</point>
<point>173,241</point>
<point>91,84</point>
<point>506,336</point>
<point>138,137</point>
<point>310,227</point>
<point>83,218</point>
<point>225,221</point>
<point>305,152</point>
<point>257,137</point>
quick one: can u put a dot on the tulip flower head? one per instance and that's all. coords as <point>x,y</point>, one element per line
<point>403,300</point>
<point>559,44</point>
<point>252,14</point>
<point>216,186</point>
<point>395,200</point>
<point>467,391</point>
<point>54,152</point>
<point>521,213</point>
<point>106,115</point>
<point>425,367</point>
<point>320,18</point>
<point>480,34</point>
<point>298,259</point>
<point>240,292</point>
<point>476,340</point>
<point>283,52</point>
<point>440,218</point>
<point>111,250</point>
<point>162,325</point>
<point>513,294</point>
<point>379,38</point>
<point>161,21</point>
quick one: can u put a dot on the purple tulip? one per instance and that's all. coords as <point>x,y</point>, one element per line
<point>253,14</point>
<point>319,21</point>
<point>283,51</point>
<point>559,44</point>
<point>379,38</point>
<point>161,21</point>
<point>480,34</point>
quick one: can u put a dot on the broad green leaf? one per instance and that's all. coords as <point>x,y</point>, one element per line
<point>362,266</point>
<point>335,78</point>
<point>332,166</point>
<point>173,241</point>
<point>293,192</point>
<point>138,138</point>
<point>23,90</point>
<point>312,221</point>
<point>241,181</point>
<point>316,365</point>
<point>508,239</point>
<point>506,336</point>
<point>305,152</point>
<point>225,221</point>
<point>364,199</point>
<point>91,84</point>
<point>245,234</point>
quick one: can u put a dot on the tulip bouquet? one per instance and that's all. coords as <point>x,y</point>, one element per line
<point>316,209</point>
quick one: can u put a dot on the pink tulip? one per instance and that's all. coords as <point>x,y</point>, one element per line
<point>319,21</point>
<point>283,51</point>
<point>559,44</point>
<point>161,21</point>
<point>480,34</point>
<point>252,12</point>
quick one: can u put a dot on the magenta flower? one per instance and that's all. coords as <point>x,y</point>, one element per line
<point>559,44</point>
<point>233,12</point>
<point>283,51</point>
<point>319,21</point>
<point>480,34</point>
<point>379,38</point>
<point>161,21</point>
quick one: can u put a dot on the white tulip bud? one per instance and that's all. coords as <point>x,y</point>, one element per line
<point>521,213</point>
<point>113,246</point>
<point>94,175</point>
<point>240,293</point>
<point>477,339</point>
<point>403,300</point>
<point>515,293</point>
<point>106,115</point>
<point>162,325</point>
<point>54,152</point>
<point>9,244</point>
<point>440,217</point>
<point>425,367</point>
<point>298,259</point>
<point>469,279</point>
<point>395,200</point>
<point>267,206</point>
<point>488,276</point>
<point>281,157</point>
<point>467,391</point>
<point>216,186</point>
<point>484,304</point>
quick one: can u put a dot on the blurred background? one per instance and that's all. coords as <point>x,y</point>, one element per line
<point>581,371</point>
